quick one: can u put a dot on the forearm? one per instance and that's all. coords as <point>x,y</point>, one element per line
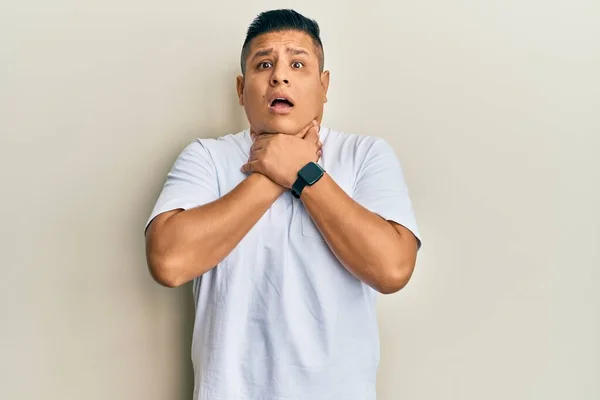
<point>188,243</point>
<point>368,246</point>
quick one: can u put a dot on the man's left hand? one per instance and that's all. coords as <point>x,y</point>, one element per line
<point>280,156</point>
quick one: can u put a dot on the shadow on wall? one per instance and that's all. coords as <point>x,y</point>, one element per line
<point>218,109</point>
<point>218,114</point>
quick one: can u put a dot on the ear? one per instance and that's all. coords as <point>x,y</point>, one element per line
<point>240,89</point>
<point>325,84</point>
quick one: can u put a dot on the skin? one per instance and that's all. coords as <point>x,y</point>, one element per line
<point>182,245</point>
<point>283,62</point>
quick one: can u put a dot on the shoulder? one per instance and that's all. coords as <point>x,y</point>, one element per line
<point>357,146</point>
<point>228,141</point>
<point>228,144</point>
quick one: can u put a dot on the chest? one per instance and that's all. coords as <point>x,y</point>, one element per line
<point>284,255</point>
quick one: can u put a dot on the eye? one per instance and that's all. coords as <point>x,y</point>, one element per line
<point>297,65</point>
<point>265,64</point>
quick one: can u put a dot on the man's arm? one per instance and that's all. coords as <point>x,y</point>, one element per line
<point>200,229</point>
<point>181,245</point>
<point>380,253</point>
<point>363,231</point>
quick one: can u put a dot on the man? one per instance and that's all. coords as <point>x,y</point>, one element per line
<point>288,230</point>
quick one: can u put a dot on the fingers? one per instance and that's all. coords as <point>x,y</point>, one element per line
<point>319,145</point>
<point>302,134</point>
<point>257,145</point>
<point>250,166</point>
<point>258,136</point>
<point>313,134</point>
<point>253,134</point>
<point>254,155</point>
<point>262,137</point>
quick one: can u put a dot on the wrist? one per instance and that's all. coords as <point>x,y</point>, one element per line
<point>295,176</point>
<point>308,175</point>
<point>310,189</point>
<point>266,183</point>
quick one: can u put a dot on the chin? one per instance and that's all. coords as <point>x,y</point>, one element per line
<point>288,126</point>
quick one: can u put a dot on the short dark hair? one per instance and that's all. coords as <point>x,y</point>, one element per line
<point>278,21</point>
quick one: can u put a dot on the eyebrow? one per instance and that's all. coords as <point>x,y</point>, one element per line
<point>292,50</point>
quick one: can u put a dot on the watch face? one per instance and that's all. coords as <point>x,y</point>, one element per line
<point>311,172</point>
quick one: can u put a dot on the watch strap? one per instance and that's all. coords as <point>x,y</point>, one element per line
<point>298,186</point>
<point>307,176</point>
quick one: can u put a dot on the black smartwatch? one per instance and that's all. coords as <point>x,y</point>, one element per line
<point>307,176</point>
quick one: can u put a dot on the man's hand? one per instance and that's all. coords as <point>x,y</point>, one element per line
<point>279,156</point>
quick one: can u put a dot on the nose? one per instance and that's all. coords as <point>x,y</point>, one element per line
<point>275,81</point>
<point>278,77</point>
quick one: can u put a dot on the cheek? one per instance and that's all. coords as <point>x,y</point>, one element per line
<point>253,98</point>
<point>253,89</point>
<point>315,94</point>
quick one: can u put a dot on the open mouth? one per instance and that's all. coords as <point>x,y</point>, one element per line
<point>281,102</point>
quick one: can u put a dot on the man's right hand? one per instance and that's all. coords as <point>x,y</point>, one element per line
<point>311,135</point>
<point>280,156</point>
<point>182,245</point>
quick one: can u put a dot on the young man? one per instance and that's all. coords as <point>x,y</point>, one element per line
<point>288,230</point>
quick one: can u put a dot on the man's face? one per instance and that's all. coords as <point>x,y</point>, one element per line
<point>283,88</point>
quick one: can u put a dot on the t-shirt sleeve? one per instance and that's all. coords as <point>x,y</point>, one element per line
<point>191,182</point>
<point>381,188</point>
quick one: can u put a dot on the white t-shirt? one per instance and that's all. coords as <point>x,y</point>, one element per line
<point>280,318</point>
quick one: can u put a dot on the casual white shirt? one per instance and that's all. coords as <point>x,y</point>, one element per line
<point>280,318</point>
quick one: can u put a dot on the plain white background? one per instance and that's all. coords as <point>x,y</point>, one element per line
<point>492,106</point>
